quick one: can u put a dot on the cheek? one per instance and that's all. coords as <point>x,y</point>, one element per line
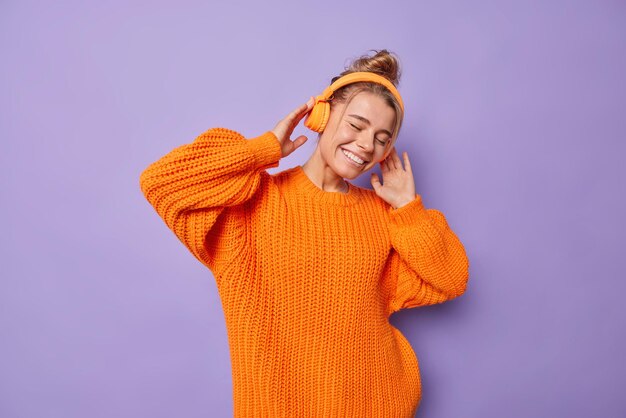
<point>329,149</point>
<point>384,154</point>
<point>387,151</point>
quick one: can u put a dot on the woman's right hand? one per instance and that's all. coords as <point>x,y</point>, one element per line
<point>285,127</point>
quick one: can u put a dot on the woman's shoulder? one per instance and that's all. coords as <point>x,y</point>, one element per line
<point>284,175</point>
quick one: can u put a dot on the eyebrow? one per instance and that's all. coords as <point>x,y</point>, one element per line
<point>366,121</point>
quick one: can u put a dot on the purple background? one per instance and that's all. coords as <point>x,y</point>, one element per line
<point>514,126</point>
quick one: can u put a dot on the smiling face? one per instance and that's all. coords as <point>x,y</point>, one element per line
<point>356,139</point>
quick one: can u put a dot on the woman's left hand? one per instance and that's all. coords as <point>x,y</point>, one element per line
<point>399,187</point>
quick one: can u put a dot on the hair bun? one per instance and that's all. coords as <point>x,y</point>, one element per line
<point>383,63</point>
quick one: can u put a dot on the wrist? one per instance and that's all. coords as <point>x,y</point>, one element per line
<point>403,202</point>
<point>409,213</point>
<point>266,149</point>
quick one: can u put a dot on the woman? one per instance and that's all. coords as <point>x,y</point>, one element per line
<point>309,267</point>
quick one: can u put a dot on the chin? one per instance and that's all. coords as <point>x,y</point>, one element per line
<point>346,170</point>
<point>352,173</point>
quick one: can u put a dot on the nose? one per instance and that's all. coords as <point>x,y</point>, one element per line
<point>365,143</point>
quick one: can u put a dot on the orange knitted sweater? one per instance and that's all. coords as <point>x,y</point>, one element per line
<point>307,278</point>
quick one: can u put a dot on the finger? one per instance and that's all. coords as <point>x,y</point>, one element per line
<point>298,113</point>
<point>289,123</point>
<point>308,105</point>
<point>396,158</point>
<point>299,141</point>
<point>391,162</point>
<point>294,118</point>
<point>375,182</point>
<point>383,166</point>
<point>407,163</point>
<point>305,108</point>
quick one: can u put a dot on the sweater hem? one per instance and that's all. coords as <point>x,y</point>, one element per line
<point>407,214</point>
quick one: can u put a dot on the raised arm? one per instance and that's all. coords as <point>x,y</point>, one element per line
<point>193,184</point>
<point>430,265</point>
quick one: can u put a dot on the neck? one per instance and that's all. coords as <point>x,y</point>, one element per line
<point>322,174</point>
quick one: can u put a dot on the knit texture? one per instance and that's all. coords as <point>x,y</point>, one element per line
<point>307,278</point>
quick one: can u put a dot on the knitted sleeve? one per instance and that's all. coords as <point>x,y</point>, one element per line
<point>192,185</point>
<point>431,265</point>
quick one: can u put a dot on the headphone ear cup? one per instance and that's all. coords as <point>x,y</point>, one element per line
<point>318,117</point>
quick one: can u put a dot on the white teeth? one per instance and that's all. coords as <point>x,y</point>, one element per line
<point>353,157</point>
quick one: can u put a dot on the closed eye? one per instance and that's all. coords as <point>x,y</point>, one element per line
<point>383,142</point>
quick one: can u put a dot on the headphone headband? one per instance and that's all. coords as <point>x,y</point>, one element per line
<point>360,76</point>
<point>319,115</point>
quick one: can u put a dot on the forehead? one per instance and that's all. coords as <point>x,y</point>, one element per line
<point>372,107</point>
